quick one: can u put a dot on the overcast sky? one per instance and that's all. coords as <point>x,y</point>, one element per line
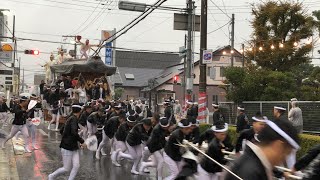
<point>49,19</point>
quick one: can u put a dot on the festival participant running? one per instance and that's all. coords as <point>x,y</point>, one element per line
<point>195,134</point>
<point>155,145</point>
<point>120,138</point>
<point>93,120</point>
<point>69,145</point>
<point>275,143</point>
<point>207,169</point>
<point>249,134</point>
<point>110,128</point>
<point>54,103</point>
<point>19,123</point>
<point>83,120</point>
<point>31,127</point>
<point>139,133</point>
<point>172,155</point>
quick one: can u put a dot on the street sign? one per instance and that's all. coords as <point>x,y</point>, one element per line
<point>182,51</point>
<point>181,22</point>
<point>207,56</point>
<point>108,60</point>
<point>105,34</point>
<point>6,53</point>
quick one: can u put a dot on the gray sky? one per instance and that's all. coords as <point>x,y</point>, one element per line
<point>49,19</point>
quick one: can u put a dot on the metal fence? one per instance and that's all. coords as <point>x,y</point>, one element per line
<point>310,111</point>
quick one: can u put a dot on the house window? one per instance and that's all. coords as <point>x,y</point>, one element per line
<point>211,72</point>
<point>129,76</point>
<point>215,99</point>
<point>222,69</point>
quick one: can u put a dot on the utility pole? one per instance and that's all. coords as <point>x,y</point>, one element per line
<point>19,75</point>
<point>242,55</point>
<point>203,46</point>
<point>189,82</point>
<point>232,39</point>
<point>184,69</point>
<point>22,80</point>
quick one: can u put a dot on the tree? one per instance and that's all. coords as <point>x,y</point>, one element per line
<point>118,92</point>
<point>278,22</point>
<point>259,85</point>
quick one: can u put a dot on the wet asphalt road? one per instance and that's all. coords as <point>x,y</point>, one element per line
<point>40,163</point>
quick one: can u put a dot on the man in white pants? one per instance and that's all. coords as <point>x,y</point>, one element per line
<point>19,123</point>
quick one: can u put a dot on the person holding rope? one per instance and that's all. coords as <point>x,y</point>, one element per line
<point>207,169</point>
<point>155,145</point>
<point>249,134</point>
<point>274,143</point>
<point>69,145</point>
<point>172,154</point>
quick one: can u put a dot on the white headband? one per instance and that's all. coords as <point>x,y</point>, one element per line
<point>241,109</point>
<point>293,99</point>
<point>77,106</point>
<point>214,128</point>
<point>183,126</point>
<point>260,120</point>
<point>276,128</point>
<point>279,108</point>
<point>129,120</point>
<point>167,125</point>
<point>108,109</point>
<point>215,105</point>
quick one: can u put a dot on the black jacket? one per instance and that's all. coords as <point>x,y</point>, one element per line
<point>20,116</point>
<point>171,148</point>
<point>247,134</point>
<point>83,118</point>
<point>194,136</point>
<point>54,98</point>
<point>4,107</point>
<point>137,135</point>
<point>208,136</point>
<point>111,126</point>
<point>70,136</point>
<point>218,118</point>
<point>123,132</point>
<point>312,172</point>
<point>242,122</point>
<point>215,152</point>
<point>248,167</point>
<point>94,118</point>
<point>157,139</point>
<point>307,158</point>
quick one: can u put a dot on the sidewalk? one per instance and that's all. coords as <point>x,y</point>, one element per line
<point>8,166</point>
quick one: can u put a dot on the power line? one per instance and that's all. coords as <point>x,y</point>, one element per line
<point>96,17</point>
<point>131,22</point>
<point>86,19</point>
<point>220,9</point>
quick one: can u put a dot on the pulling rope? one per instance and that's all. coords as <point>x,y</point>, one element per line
<point>197,149</point>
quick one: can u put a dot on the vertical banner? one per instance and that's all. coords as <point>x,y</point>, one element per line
<point>108,54</point>
<point>202,110</point>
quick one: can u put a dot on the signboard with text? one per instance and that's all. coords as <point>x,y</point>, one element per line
<point>207,56</point>
<point>6,52</point>
<point>108,54</point>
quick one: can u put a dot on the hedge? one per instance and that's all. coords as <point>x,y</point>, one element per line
<point>306,141</point>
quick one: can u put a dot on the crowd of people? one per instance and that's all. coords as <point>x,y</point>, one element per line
<point>135,133</point>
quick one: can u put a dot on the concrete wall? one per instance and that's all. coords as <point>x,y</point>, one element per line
<point>130,92</point>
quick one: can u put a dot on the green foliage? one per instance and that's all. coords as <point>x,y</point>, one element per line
<point>118,92</point>
<point>259,84</point>
<point>277,22</point>
<point>306,141</point>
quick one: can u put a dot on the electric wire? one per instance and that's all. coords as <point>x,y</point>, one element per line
<point>130,23</point>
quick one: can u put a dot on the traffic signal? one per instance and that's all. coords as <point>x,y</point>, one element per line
<point>31,51</point>
<point>175,79</point>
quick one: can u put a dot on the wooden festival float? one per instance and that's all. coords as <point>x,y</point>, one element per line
<point>85,72</point>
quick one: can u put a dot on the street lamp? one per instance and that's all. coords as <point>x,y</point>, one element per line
<point>132,6</point>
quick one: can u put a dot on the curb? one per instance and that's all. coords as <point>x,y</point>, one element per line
<point>8,165</point>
